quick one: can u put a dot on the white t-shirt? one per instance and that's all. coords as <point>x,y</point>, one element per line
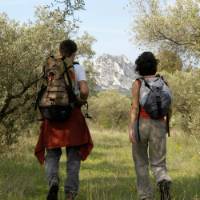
<point>79,72</point>
<point>80,76</point>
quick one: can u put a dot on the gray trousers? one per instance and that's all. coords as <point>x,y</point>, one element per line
<point>72,166</point>
<point>150,150</point>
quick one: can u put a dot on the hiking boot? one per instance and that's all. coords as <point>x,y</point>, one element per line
<point>164,190</point>
<point>53,193</point>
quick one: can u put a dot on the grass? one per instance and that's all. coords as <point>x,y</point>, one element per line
<point>108,174</point>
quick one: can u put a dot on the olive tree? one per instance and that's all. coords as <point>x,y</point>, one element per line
<point>173,26</point>
<point>169,61</point>
<point>23,49</point>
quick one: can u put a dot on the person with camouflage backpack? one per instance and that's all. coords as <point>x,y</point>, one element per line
<point>149,117</point>
<point>63,124</point>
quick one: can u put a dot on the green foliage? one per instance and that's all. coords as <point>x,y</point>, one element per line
<point>23,49</point>
<point>174,26</point>
<point>185,87</point>
<point>110,109</point>
<point>69,6</point>
<point>169,61</point>
<point>84,43</point>
<point>107,174</point>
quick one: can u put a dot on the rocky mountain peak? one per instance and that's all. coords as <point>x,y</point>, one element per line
<point>114,72</point>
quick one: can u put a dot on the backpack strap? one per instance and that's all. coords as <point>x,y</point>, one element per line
<point>138,123</point>
<point>138,116</point>
<point>87,115</point>
<point>72,95</point>
<point>75,63</point>
<point>66,68</point>
<point>167,116</point>
<point>168,128</point>
<point>145,82</point>
<point>39,96</point>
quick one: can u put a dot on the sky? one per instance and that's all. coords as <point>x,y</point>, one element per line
<point>108,21</point>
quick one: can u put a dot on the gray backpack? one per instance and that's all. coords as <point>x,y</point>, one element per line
<point>155,96</point>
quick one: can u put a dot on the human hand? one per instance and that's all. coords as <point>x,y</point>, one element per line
<point>132,135</point>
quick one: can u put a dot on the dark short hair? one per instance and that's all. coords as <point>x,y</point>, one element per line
<point>67,48</point>
<point>146,64</point>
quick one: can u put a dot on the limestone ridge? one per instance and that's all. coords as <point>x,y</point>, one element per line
<point>114,72</point>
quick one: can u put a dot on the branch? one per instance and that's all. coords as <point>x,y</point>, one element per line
<point>174,41</point>
<point>15,108</point>
<point>25,88</point>
<point>4,111</point>
<point>68,7</point>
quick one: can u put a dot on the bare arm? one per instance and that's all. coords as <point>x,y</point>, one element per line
<point>134,109</point>
<point>84,91</point>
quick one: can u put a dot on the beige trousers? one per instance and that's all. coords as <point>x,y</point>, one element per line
<point>150,150</point>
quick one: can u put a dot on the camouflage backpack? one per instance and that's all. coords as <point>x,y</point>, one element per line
<point>56,97</point>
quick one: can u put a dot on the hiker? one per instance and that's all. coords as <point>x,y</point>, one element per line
<point>148,127</point>
<point>64,131</point>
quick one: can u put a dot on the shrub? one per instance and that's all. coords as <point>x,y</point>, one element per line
<point>186,100</point>
<point>110,109</point>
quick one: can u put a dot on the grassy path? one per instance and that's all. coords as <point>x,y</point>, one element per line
<point>108,174</point>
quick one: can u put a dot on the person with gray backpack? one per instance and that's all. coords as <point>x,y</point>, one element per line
<point>149,123</point>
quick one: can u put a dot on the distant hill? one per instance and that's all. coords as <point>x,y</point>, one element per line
<point>114,72</point>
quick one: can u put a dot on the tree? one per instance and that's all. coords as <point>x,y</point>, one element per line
<point>69,6</point>
<point>84,44</point>
<point>186,97</point>
<point>175,27</point>
<point>23,49</point>
<point>169,61</point>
